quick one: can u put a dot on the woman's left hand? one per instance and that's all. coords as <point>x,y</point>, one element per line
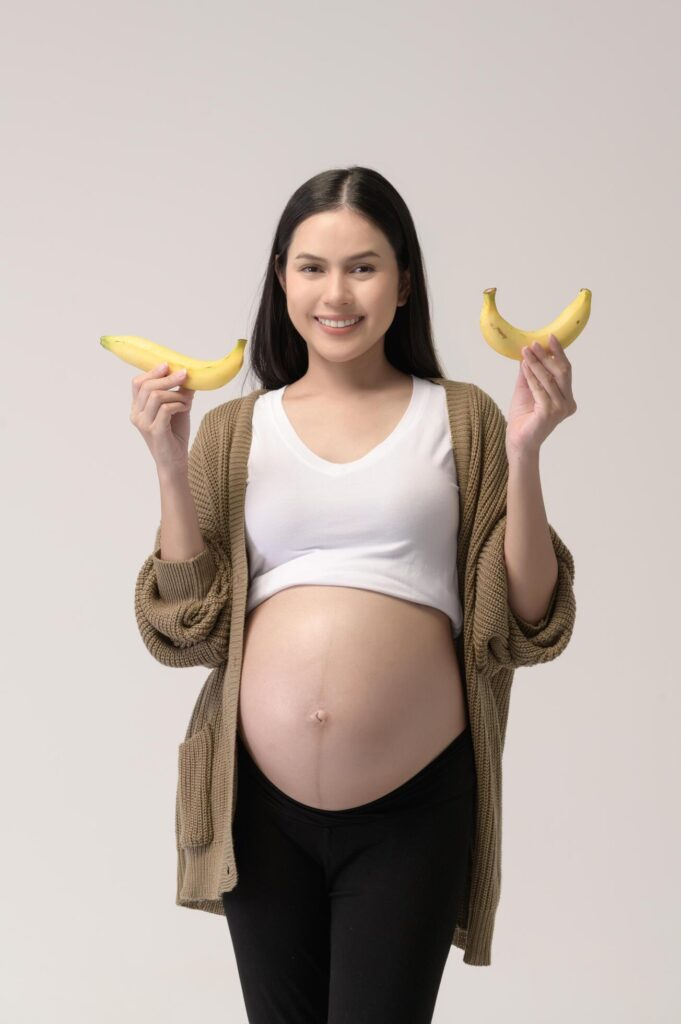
<point>542,397</point>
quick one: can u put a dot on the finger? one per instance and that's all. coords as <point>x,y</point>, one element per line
<point>541,372</point>
<point>559,351</point>
<point>529,376</point>
<point>151,412</point>
<point>537,388</point>
<point>156,371</point>
<point>158,383</point>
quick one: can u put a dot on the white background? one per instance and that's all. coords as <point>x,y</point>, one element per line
<point>147,152</point>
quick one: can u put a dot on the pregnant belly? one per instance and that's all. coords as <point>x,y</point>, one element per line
<point>346,693</point>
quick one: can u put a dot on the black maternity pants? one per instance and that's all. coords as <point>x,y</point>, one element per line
<point>347,916</point>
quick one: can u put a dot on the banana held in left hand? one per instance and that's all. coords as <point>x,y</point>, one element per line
<point>509,341</point>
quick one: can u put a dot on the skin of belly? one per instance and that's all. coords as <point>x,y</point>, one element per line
<point>346,693</point>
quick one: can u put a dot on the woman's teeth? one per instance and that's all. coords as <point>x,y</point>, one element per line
<point>339,323</point>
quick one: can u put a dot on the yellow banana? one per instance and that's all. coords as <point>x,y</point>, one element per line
<point>509,341</point>
<point>202,374</point>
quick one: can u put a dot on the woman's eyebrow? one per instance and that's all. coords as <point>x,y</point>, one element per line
<point>320,259</point>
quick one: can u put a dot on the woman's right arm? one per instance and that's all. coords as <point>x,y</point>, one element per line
<point>180,531</point>
<point>184,587</point>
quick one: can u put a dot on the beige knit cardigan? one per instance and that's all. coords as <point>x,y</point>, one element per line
<point>192,612</point>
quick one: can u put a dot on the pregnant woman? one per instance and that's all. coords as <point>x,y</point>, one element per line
<point>337,547</point>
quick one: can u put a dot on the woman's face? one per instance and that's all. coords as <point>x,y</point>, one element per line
<point>334,282</point>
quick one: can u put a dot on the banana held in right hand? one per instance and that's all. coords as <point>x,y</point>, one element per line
<point>202,374</point>
<point>509,341</point>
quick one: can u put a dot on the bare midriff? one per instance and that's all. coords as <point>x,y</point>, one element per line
<point>346,693</point>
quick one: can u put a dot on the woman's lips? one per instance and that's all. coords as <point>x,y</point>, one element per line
<point>339,330</point>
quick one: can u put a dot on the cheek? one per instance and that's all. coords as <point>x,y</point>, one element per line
<point>299,298</point>
<point>382,295</point>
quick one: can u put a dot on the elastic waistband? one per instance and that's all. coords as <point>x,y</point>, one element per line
<point>443,766</point>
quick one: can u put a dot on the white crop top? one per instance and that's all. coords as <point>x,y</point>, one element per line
<point>386,522</point>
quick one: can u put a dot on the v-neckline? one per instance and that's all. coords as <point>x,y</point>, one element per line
<point>311,458</point>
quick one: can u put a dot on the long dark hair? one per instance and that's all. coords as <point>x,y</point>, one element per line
<point>278,353</point>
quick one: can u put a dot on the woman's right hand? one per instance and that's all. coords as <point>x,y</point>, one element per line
<point>162,416</point>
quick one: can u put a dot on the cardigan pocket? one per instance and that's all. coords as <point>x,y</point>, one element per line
<point>195,764</point>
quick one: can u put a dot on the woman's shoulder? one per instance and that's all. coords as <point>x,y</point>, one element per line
<point>222,418</point>
<point>224,410</point>
<point>479,400</point>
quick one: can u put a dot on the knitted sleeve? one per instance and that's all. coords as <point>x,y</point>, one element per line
<point>183,608</point>
<point>503,639</point>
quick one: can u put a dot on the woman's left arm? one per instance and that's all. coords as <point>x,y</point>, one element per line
<point>542,399</point>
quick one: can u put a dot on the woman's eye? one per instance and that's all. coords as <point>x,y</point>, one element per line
<point>363,266</point>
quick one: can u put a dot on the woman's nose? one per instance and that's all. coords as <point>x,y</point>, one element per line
<point>337,288</point>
